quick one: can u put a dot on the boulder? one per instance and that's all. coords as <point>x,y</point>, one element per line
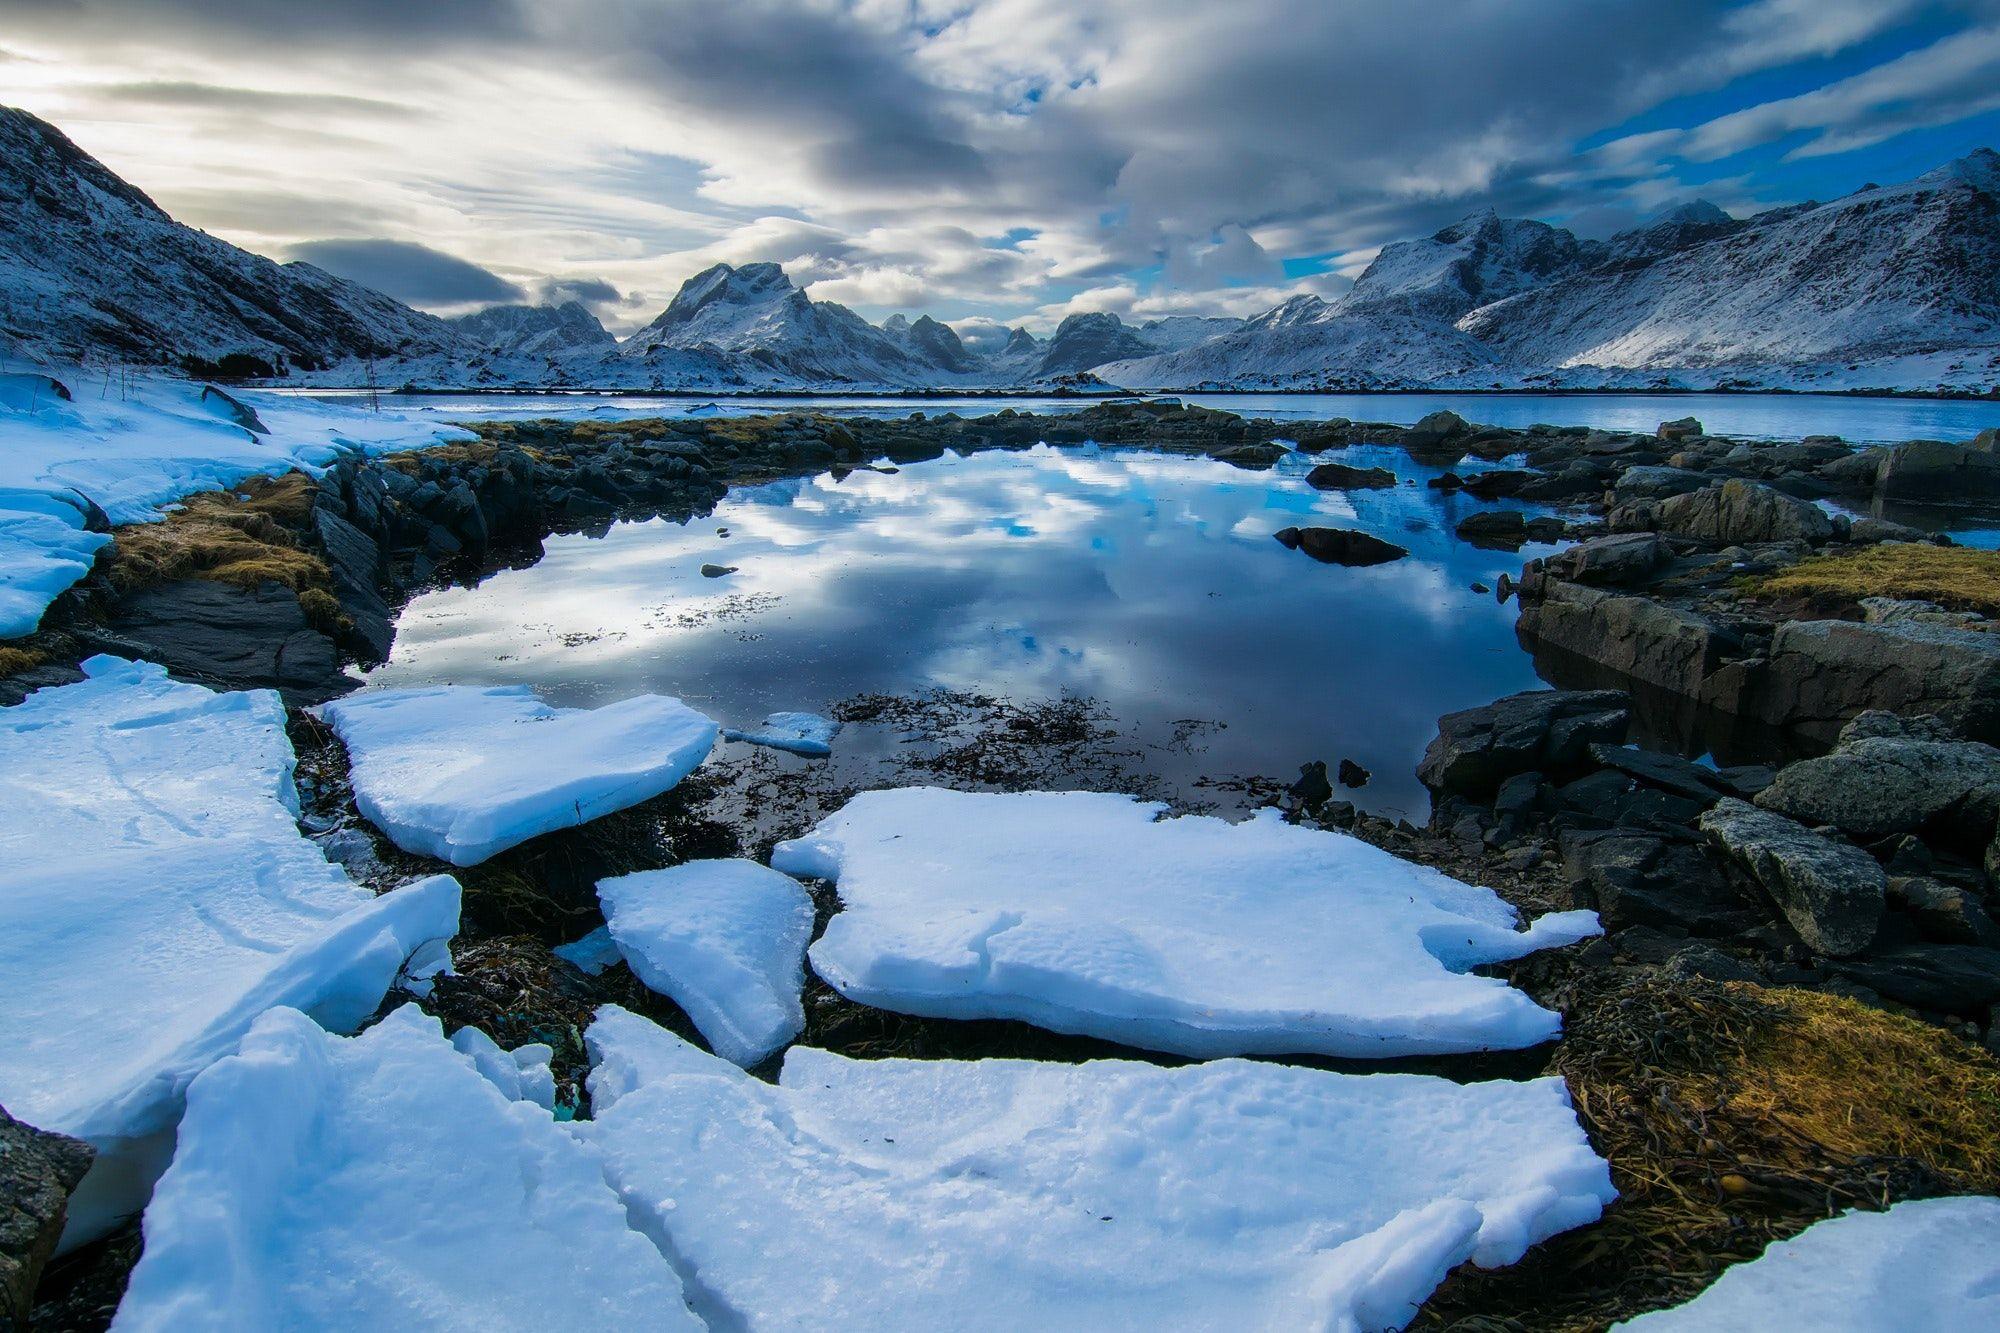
<point>1961,979</point>
<point>1683,429</point>
<point>1497,485</point>
<point>1930,472</point>
<point>1642,878</point>
<point>1340,546</point>
<point>1738,513</point>
<point>1820,673</point>
<point>1637,637</point>
<point>1249,457</point>
<point>1987,441</point>
<point>1665,772</point>
<point>1625,558</point>
<point>1436,428</point>
<point>1855,473</point>
<point>220,635</point>
<point>1875,786</point>
<point>1494,529</point>
<point>1944,913</point>
<point>1547,731</point>
<point>1832,893</point>
<point>1656,482</point>
<point>1341,477</point>
<point>38,1173</point>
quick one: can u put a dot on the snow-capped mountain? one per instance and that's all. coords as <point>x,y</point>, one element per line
<point>1083,341</point>
<point>91,267</point>
<point>535,330</point>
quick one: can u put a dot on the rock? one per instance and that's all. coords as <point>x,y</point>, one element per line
<point>1637,637</point>
<point>1340,477</point>
<point>1987,441</point>
<point>1352,774</point>
<point>1944,913</point>
<point>1832,893</point>
<point>1874,786</point>
<point>1340,546</point>
<point>1943,978</point>
<point>1655,482</point>
<point>1436,428</point>
<point>221,635</point>
<point>1669,773</point>
<point>1624,559</point>
<point>1494,529</point>
<point>1685,428</point>
<point>355,563</point>
<point>1890,610</point>
<point>1822,672</point>
<point>1548,731</point>
<point>1741,512</point>
<point>1641,878</point>
<point>38,1173</point>
<point>717,571</point>
<point>1711,964</point>
<point>1497,485</point>
<point>1868,531</point>
<point>1930,472</point>
<point>1449,481</point>
<point>1312,790</point>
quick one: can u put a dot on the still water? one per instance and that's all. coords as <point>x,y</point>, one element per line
<point>1145,582</point>
<point>1750,416</point>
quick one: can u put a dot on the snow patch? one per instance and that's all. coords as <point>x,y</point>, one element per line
<point>801,733</point>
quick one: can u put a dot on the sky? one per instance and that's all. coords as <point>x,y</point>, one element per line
<point>989,162</point>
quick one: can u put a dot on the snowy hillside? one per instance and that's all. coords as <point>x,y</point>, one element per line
<point>535,330</point>
<point>89,266</point>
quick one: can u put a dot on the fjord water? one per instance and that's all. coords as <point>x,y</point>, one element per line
<point>1858,419</point>
<point>1148,583</point>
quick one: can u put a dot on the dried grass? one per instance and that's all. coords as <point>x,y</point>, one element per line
<point>1952,576</point>
<point>244,537</point>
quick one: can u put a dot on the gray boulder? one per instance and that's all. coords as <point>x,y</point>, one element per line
<point>1931,472</point>
<point>1820,673</point>
<point>1683,429</point>
<point>1642,878</point>
<point>1740,512</point>
<point>1944,913</point>
<point>38,1172</point>
<point>1878,785</point>
<point>1637,637</point>
<point>1622,559</point>
<point>1547,731</point>
<point>1832,893</point>
<point>227,637</point>
<point>1341,477</point>
<point>1656,482</point>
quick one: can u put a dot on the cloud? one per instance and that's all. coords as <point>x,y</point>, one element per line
<point>414,274</point>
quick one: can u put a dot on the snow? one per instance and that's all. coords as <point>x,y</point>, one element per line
<point>522,1074</point>
<point>1008,1194</point>
<point>1094,914</point>
<point>380,1182</point>
<point>1930,1264</point>
<point>726,941</point>
<point>591,954</point>
<point>155,897</point>
<point>801,733</point>
<point>130,446</point>
<point>463,772</point>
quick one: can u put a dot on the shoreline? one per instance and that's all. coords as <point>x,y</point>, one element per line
<point>1089,395</point>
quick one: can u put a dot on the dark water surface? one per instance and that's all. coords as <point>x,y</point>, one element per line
<point>1147,583</point>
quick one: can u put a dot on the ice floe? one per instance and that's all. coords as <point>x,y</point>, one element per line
<point>1008,1194</point>
<point>132,447</point>
<point>461,772</point>
<point>591,954</point>
<point>806,734</point>
<point>155,897</point>
<point>1094,914</point>
<point>380,1182</point>
<point>725,940</point>
<point>1930,1264</point>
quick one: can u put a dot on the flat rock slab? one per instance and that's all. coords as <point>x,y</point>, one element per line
<point>1926,1264</point>
<point>726,941</point>
<point>463,772</point>
<point>1010,1194</point>
<point>1091,913</point>
<point>155,897</point>
<point>382,1182</point>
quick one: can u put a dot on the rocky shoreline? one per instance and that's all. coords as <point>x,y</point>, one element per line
<point>1844,843</point>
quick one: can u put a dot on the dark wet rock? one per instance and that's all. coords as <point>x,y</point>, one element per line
<point>228,637</point>
<point>1854,473</point>
<point>1712,964</point>
<point>1352,774</point>
<point>1742,512</point>
<point>355,562</point>
<point>1312,790</point>
<point>1944,913</point>
<point>1499,485</point>
<point>1254,457</point>
<point>1623,559</point>
<point>1637,637</point>
<point>1942,978</point>
<point>1873,786</point>
<point>1613,799</point>
<point>1868,531</point>
<point>1930,472</point>
<point>1820,673</point>
<point>15,688</point>
<point>1436,428</point>
<point>1831,892</point>
<point>1669,773</point>
<point>1449,481</point>
<point>1340,546</point>
<point>1682,429</point>
<point>1494,529</point>
<point>38,1172</point>
<point>1341,477</point>
<point>1545,731</point>
<point>717,571</point>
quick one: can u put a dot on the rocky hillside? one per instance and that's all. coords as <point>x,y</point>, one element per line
<point>536,330</point>
<point>91,267</point>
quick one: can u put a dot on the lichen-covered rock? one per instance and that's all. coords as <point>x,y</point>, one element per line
<point>1878,785</point>
<point>1625,558</point>
<point>1833,893</point>
<point>1742,512</point>
<point>38,1172</point>
<point>1638,637</point>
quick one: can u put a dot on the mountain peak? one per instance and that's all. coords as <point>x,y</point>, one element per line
<point>1979,168</point>
<point>1696,212</point>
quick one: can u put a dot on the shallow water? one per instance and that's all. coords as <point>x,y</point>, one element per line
<point>1149,583</point>
<point>1751,416</point>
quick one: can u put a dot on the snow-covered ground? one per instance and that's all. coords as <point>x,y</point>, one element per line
<point>379,1181</point>
<point>155,898</point>
<point>462,772</point>
<point>1930,1264</point>
<point>1094,914</point>
<point>726,941</point>
<point>1009,1194</point>
<point>129,445</point>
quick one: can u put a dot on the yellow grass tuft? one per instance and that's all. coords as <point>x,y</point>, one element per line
<point>244,537</point>
<point>1949,575</point>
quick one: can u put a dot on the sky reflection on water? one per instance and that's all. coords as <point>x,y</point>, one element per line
<point>1148,582</point>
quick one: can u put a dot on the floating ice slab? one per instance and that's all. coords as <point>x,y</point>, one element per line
<point>726,941</point>
<point>1093,914</point>
<point>461,772</point>
<point>808,734</point>
<point>1932,1264</point>
<point>1011,1194</point>
<point>379,1181</point>
<point>155,897</point>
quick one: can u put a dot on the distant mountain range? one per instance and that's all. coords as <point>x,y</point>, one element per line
<point>1892,287</point>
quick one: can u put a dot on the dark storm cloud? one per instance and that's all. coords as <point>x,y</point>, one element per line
<point>596,293</point>
<point>384,24</point>
<point>412,273</point>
